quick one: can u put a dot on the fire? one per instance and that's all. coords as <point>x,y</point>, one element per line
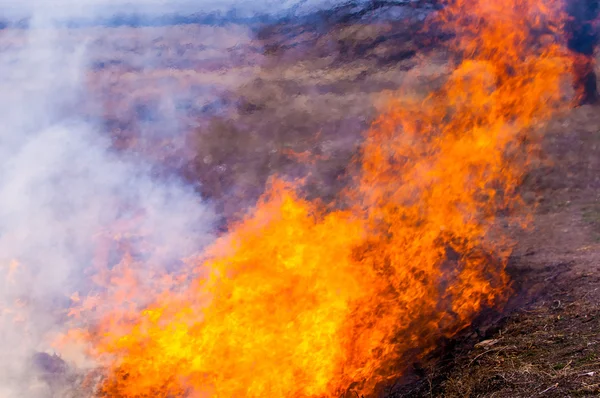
<point>298,301</point>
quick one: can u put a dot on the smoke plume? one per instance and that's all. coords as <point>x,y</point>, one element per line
<point>62,188</point>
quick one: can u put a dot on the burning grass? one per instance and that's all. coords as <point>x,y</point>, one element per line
<point>300,301</point>
<point>546,342</point>
<point>546,346</point>
<point>372,289</point>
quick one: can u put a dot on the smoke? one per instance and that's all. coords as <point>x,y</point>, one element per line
<point>61,186</point>
<point>102,8</point>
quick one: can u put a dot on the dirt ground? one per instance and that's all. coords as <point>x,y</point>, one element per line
<point>294,100</point>
<point>546,343</point>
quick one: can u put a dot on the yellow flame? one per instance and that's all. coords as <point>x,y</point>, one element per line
<point>299,302</point>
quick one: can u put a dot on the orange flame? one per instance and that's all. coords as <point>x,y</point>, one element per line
<point>299,302</point>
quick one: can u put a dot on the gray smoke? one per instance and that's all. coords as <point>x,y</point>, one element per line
<point>86,8</point>
<point>61,186</point>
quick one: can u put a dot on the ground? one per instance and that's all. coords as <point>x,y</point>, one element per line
<point>252,102</point>
<point>547,341</point>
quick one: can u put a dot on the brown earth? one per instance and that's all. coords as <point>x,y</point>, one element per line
<point>547,341</point>
<point>251,102</point>
<point>230,107</point>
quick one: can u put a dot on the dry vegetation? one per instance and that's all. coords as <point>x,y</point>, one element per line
<point>547,341</point>
<point>229,107</point>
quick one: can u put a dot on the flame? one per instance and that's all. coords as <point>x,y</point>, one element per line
<point>298,301</point>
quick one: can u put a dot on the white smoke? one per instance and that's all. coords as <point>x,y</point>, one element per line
<point>81,8</point>
<point>75,8</point>
<point>61,186</point>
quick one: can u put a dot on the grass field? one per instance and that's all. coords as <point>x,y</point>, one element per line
<point>229,107</point>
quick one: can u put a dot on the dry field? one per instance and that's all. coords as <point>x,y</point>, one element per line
<point>228,107</point>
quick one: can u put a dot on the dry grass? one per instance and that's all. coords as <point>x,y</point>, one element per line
<point>229,108</point>
<point>548,349</point>
<point>547,344</point>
